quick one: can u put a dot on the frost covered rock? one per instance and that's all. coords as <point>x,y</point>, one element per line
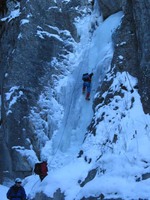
<point>109,7</point>
<point>132,46</point>
<point>36,38</point>
<point>57,196</point>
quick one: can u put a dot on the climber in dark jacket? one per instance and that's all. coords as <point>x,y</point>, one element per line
<point>87,78</point>
<point>16,192</point>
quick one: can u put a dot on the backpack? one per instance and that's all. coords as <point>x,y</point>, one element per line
<point>85,77</point>
<point>37,168</point>
<point>44,168</point>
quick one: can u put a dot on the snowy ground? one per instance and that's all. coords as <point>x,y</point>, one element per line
<point>3,191</point>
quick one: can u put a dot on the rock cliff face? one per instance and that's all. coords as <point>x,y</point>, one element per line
<point>30,43</point>
<point>109,7</point>
<point>142,22</point>
<point>132,47</point>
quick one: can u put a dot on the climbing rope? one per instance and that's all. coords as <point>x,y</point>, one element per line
<point>29,197</point>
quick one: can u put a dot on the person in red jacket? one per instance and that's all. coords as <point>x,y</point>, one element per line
<point>44,170</point>
<point>87,78</point>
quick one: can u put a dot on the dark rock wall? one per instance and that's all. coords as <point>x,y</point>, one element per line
<point>28,43</point>
<point>131,42</point>
<point>125,42</point>
<point>142,23</point>
<point>58,195</point>
<point>109,7</point>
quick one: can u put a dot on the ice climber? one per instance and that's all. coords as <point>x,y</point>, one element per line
<point>87,78</point>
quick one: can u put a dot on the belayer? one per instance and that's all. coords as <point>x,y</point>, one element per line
<point>87,78</point>
<point>16,192</point>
